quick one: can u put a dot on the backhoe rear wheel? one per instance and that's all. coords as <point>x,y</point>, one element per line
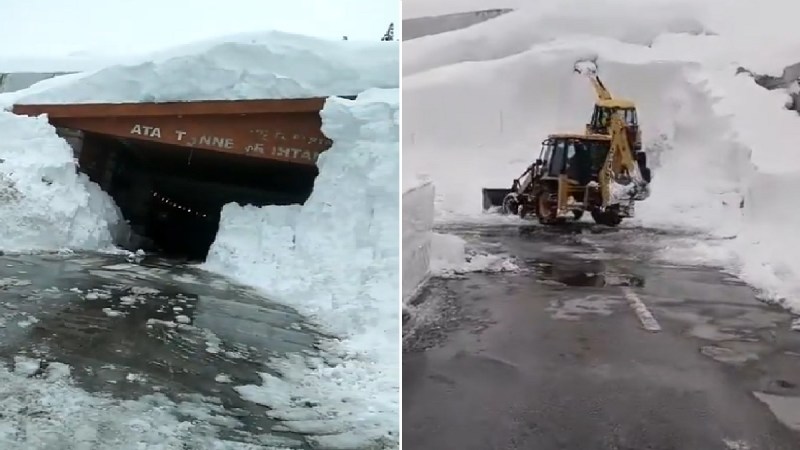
<point>610,217</point>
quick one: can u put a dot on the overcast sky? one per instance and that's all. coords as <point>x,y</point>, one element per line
<point>53,28</point>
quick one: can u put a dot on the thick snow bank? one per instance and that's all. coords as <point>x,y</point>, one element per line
<point>417,231</point>
<point>336,259</point>
<point>248,66</point>
<point>721,146</point>
<point>45,204</point>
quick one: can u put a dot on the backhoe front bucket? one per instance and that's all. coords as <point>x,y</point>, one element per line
<point>493,198</point>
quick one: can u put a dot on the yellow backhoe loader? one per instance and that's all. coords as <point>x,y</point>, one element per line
<point>576,173</point>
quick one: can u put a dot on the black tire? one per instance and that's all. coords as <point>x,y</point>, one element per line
<point>641,158</point>
<point>641,161</point>
<point>609,217</point>
<point>647,175</point>
<point>510,204</point>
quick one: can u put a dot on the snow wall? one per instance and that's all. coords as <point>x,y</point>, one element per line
<point>721,146</point>
<point>335,259</point>
<point>417,230</point>
<point>45,204</point>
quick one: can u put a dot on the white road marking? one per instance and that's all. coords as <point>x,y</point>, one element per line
<point>645,317</point>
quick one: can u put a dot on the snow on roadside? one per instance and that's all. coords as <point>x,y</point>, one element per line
<point>335,259</point>
<point>450,257</point>
<point>45,204</point>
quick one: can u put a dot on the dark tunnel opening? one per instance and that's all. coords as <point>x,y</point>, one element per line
<point>172,196</point>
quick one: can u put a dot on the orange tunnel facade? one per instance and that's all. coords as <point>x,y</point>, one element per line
<point>280,130</point>
<point>198,156</point>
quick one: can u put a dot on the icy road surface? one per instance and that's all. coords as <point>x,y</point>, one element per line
<point>597,344</point>
<point>99,352</point>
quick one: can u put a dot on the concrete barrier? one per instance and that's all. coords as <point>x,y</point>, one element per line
<point>418,215</point>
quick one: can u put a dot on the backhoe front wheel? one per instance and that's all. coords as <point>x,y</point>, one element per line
<point>510,204</point>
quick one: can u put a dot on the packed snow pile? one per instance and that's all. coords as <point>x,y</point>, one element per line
<point>336,259</point>
<point>272,65</point>
<point>45,204</point>
<point>451,257</point>
<point>720,145</point>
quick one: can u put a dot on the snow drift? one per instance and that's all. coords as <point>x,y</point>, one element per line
<point>45,204</point>
<point>721,145</point>
<point>336,259</point>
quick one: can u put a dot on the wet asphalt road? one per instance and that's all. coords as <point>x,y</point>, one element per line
<point>132,329</point>
<point>555,357</point>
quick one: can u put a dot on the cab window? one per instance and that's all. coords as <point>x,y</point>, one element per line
<point>557,163</point>
<point>630,117</point>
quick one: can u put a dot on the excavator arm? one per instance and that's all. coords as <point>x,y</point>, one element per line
<point>600,88</point>
<point>588,68</point>
<point>619,165</point>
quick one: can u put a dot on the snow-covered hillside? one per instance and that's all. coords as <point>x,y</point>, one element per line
<point>722,147</point>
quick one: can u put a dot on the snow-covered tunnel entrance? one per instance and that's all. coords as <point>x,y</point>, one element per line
<point>171,167</point>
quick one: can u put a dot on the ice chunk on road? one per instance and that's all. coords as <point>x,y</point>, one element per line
<point>180,318</point>
<point>112,312</point>
<point>26,366</point>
